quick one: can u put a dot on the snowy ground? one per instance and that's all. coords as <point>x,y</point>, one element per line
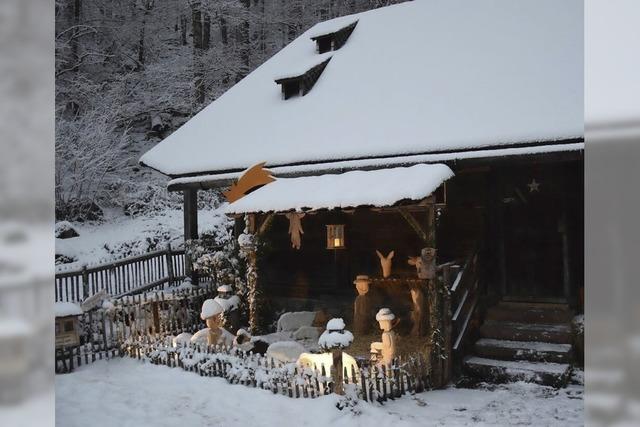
<point>118,235</point>
<point>127,392</point>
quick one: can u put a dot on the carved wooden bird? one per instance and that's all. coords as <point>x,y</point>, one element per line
<point>253,177</point>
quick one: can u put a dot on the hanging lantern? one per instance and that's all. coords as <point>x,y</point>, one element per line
<point>335,236</point>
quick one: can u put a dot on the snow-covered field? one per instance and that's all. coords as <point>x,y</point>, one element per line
<point>127,392</point>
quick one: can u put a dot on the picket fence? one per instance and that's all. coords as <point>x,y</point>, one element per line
<point>373,383</point>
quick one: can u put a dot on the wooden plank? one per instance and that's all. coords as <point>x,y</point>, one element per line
<point>169,263</point>
<point>463,329</point>
<point>265,224</point>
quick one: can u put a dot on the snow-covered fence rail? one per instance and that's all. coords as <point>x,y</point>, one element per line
<point>406,375</point>
<point>130,275</point>
<point>151,314</point>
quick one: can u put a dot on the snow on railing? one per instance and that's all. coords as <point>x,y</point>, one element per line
<point>151,270</point>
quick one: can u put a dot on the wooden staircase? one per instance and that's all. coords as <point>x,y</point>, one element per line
<point>522,341</point>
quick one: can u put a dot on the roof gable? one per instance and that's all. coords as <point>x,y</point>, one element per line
<point>413,78</point>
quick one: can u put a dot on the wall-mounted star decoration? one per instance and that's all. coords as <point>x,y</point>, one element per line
<point>534,186</point>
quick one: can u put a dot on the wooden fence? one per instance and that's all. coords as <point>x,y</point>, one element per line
<point>372,383</point>
<point>155,313</point>
<point>123,277</point>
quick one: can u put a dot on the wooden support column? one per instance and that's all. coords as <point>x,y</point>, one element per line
<point>435,321</point>
<point>439,305</point>
<point>190,211</point>
<point>337,374</point>
<point>250,249</point>
<point>431,223</point>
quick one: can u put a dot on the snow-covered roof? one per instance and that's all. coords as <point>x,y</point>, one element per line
<point>64,309</point>
<point>385,162</point>
<point>417,77</point>
<point>302,67</point>
<point>331,26</point>
<point>382,187</point>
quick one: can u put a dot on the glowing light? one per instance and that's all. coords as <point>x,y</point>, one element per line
<point>335,236</point>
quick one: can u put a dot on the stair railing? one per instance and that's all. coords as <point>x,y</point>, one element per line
<point>463,287</point>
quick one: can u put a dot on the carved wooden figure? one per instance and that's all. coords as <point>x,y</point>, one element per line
<point>425,263</point>
<point>418,316</point>
<point>211,313</point>
<point>362,305</point>
<point>416,262</point>
<point>295,229</point>
<point>428,257</point>
<point>387,347</point>
<point>385,263</point>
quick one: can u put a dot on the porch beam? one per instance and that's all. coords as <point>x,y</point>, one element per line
<point>265,224</point>
<point>424,235</point>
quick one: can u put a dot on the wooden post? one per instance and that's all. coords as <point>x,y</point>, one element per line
<point>190,227</point>
<point>338,379</point>
<point>156,315</point>
<point>434,296</point>
<point>447,332</point>
<point>169,261</point>
<point>85,283</point>
<point>252,274</point>
<point>431,223</point>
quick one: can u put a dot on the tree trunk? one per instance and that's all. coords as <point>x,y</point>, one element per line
<point>206,31</point>
<point>183,29</point>
<point>196,25</point>
<point>75,43</point>
<point>244,41</point>
<point>141,43</point>
<point>224,37</point>
<point>197,56</point>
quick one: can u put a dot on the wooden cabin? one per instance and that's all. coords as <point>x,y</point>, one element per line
<point>497,104</point>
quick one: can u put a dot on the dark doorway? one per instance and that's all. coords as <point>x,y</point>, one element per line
<point>533,251</point>
<point>533,212</point>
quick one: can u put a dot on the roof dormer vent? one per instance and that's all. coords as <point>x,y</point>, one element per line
<point>301,84</point>
<point>334,40</point>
